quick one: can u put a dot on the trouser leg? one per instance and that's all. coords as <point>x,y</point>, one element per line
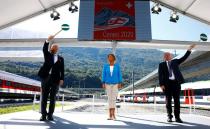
<point>109,95</point>
<point>112,92</point>
<point>168,103</point>
<point>176,96</point>
<point>53,92</point>
<point>114,95</point>
<point>45,94</point>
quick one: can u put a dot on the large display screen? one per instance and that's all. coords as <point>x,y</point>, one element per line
<point>118,20</point>
<point>114,20</point>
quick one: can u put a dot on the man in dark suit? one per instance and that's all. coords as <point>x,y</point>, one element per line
<point>170,80</point>
<point>52,76</point>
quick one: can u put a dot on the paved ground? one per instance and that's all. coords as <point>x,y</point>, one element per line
<point>84,120</point>
<point>134,108</point>
<point>81,116</point>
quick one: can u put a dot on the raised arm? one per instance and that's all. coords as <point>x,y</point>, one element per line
<point>46,45</point>
<point>187,54</point>
<point>45,48</point>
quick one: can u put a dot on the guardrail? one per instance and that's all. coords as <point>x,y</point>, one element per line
<point>62,101</point>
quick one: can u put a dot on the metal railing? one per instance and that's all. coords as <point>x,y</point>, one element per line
<point>35,101</point>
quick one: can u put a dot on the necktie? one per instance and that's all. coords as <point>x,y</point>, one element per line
<point>169,69</point>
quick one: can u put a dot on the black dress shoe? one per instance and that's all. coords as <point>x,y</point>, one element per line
<point>178,120</point>
<point>50,118</point>
<point>43,118</point>
<point>169,120</point>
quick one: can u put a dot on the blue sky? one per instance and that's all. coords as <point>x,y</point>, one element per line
<point>186,29</point>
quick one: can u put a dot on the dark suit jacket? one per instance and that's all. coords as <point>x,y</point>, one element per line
<point>57,72</point>
<point>164,74</point>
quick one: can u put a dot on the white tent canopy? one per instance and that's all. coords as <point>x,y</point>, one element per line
<point>15,11</point>
<point>196,9</point>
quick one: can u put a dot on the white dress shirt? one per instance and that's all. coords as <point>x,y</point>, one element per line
<point>55,58</point>
<point>172,72</point>
<point>111,70</point>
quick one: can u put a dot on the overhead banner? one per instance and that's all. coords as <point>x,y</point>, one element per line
<point>114,20</point>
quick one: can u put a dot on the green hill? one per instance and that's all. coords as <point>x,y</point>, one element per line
<point>85,65</point>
